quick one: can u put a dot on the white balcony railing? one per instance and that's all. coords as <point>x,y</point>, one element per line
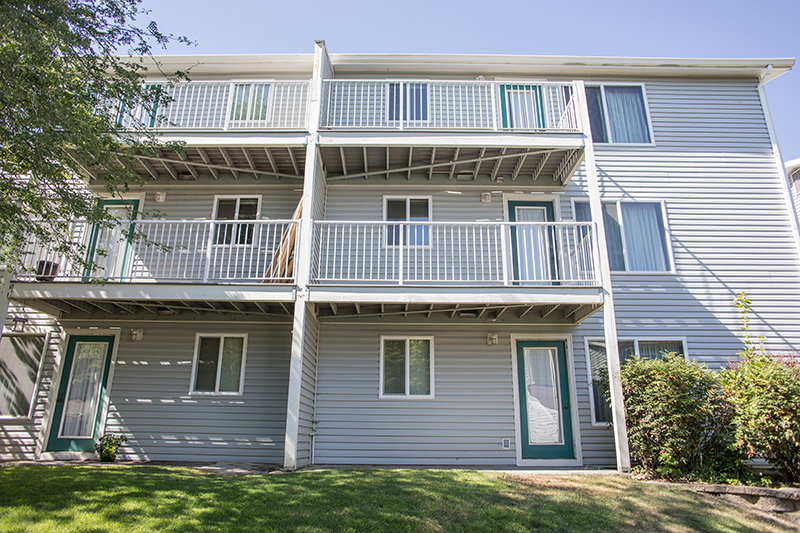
<point>252,251</point>
<point>449,105</point>
<point>465,253</point>
<point>226,106</point>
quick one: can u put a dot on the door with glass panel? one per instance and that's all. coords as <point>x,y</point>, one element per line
<point>533,246</point>
<point>81,394</point>
<point>109,249</point>
<point>544,400</point>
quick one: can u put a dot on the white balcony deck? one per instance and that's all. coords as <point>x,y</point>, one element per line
<point>466,254</point>
<point>170,251</point>
<point>420,105</point>
<point>226,106</point>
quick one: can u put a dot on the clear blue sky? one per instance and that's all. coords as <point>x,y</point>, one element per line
<point>679,28</point>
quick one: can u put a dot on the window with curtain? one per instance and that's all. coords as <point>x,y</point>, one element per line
<point>20,358</point>
<point>598,363</point>
<point>219,364</point>
<point>414,99</point>
<point>406,367</point>
<point>636,235</point>
<point>617,114</point>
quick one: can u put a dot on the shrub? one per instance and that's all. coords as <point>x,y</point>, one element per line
<point>108,445</point>
<point>764,389</point>
<point>679,424</point>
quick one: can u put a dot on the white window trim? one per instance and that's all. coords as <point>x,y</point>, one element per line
<point>407,395</point>
<point>407,221</point>
<point>602,87</point>
<point>196,356</point>
<point>237,197</point>
<point>37,382</point>
<point>667,236</point>
<point>635,340</point>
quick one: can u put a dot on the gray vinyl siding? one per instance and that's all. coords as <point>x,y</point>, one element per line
<point>20,437</point>
<point>473,408</point>
<point>308,389</point>
<point>151,405</point>
<point>278,202</point>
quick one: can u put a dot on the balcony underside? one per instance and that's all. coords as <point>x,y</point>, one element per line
<point>81,301</point>
<point>552,166</point>
<point>449,313</point>
<point>528,304</point>
<point>228,163</point>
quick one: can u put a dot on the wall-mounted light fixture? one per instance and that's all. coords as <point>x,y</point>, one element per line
<point>492,339</point>
<point>486,197</point>
<point>137,334</point>
<point>19,324</point>
<point>160,197</point>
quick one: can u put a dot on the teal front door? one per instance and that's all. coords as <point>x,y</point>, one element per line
<point>544,400</point>
<point>81,394</point>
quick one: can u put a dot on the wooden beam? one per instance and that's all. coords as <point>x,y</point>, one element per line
<point>540,166</point>
<point>230,168</point>
<point>229,162</point>
<point>455,309</point>
<point>500,313</point>
<point>430,310</point>
<point>358,308</point>
<point>410,153</point>
<point>518,167</point>
<point>294,161</point>
<point>271,158</point>
<point>265,311</point>
<point>149,168</point>
<point>167,164</point>
<point>433,158</point>
<point>525,312</point>
<point>344,163</point>
<point>453,164</point>
<point>547,310</point>
<point>366,161</point>
<point>497,165</point>
<point>189,167</point>
<point>89,172</point>
<point>387,162</point>
<point>249,158</point>
<point>334,308</point>
<point>483,311</point>
<point>207,161</point>
<point>478,164</point>
<point>285,309</point>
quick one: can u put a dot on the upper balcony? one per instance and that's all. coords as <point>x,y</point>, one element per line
<point>445,130</point>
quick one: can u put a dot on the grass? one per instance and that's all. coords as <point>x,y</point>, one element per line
<point>134,498</point>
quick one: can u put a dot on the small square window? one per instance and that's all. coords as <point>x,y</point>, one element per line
<point>218,366</point>
<point>617,114</point>
<point>236,209</point>
<point>406,367</point>
<point>407,210</point>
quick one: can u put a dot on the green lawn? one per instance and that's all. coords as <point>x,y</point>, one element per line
<point>131,498</point>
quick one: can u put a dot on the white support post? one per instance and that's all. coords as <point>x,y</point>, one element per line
<point>609,316</point>
<point>303,258</point>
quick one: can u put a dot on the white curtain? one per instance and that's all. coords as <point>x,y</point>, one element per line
<point>533,256</point>
<point>523,102</point>
<point>657,349</point>
<point>85,378</point>
<point>544,407</point>
<point>626,115</point>
<point>644,237</point>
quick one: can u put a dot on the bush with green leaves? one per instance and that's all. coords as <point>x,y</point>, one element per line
<point>679,423</point>
<point>108,445</point>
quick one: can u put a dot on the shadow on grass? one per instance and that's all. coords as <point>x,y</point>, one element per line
<point>146,498</point>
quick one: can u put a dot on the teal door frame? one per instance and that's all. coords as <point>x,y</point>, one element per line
<point>91,248</point>
<point>567,449</point>
<point>56,443</point>
<point>550,217</point>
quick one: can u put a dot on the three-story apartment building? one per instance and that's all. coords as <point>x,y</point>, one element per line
<point>409,259</point>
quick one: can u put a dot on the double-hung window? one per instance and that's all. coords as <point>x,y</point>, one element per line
<point>636,235</point>
<point>20,360</point>
<point>618,114</point>
<point>218,366</point>
<point>234,208</point>
<point>598,365</point>
<point>410,210</point>
<point>406,367</point>
<point>408,102</point>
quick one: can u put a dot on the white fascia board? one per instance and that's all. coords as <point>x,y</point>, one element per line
<point>565,141</point>
<point>460,295</point>
<point>152,291</point>
<point>299,66</point>
<point>558,66</point>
